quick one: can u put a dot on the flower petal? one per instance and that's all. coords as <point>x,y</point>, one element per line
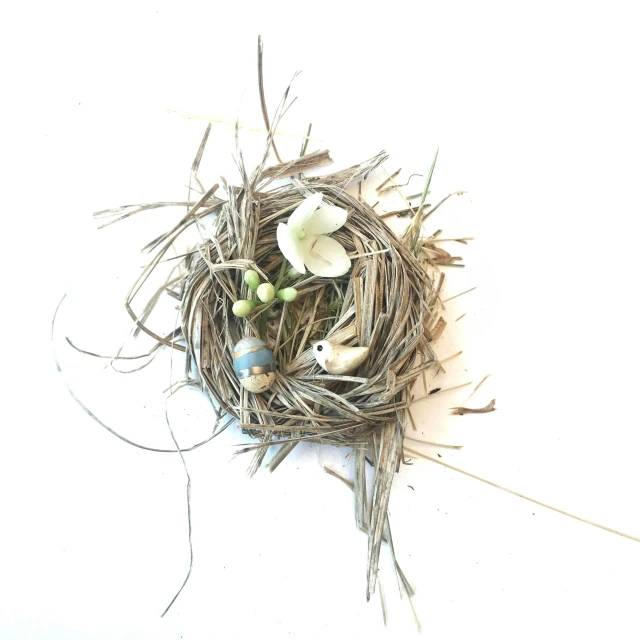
<point>301,214</point>
<point>325,220</point>
<point>325,256</point>
<point>290,247</point>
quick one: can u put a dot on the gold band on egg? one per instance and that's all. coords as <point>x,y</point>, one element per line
<point>256,371</point>
<point>244,352</point>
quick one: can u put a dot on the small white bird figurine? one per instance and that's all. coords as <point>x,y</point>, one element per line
<point>338,359</point>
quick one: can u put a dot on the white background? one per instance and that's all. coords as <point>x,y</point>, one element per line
<point>534,108</point>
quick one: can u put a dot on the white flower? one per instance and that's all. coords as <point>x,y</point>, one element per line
<point>303,241</point>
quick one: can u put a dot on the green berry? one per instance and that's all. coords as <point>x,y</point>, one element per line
<point>243,308</point>
<point>252,279</point>
<point>266,292</point>
<point>288,294</point>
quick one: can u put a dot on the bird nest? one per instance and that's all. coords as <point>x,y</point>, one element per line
<point>387,302</point>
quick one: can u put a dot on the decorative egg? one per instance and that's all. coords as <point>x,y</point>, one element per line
<point>338,359</point>
<point>254,364</point>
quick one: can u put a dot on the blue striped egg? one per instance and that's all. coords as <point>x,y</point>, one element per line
<point>254,364</point>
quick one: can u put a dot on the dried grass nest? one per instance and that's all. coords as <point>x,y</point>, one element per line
<point>384,303</point>
<point>389,302</point>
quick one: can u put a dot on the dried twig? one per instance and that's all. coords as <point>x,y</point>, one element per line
<point>519,495</point>
<point>263,102</point>
<point>460,411</point>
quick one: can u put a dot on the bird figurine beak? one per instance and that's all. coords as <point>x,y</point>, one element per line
<point>338,359</point>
